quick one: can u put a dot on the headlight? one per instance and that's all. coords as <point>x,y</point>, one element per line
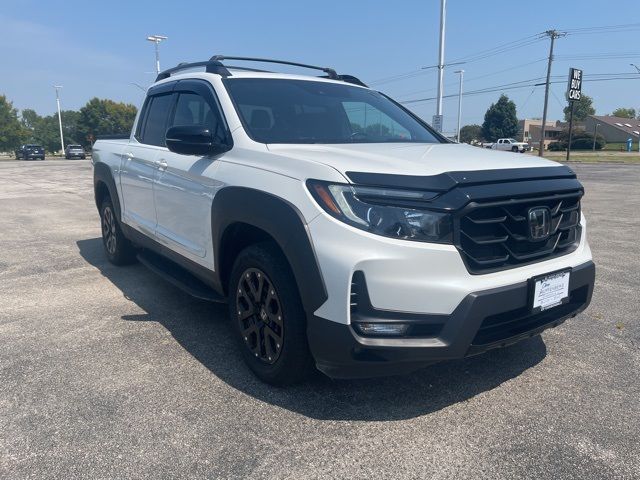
<point>392,213</point>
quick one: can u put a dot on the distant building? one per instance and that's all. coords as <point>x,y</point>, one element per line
<point>614,129</point>
<point>529,130</point>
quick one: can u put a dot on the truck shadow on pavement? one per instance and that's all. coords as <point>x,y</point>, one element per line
<point>202,329</point>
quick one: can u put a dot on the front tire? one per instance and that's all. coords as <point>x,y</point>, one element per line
<point>267,316</point>
<point>117,247</point>
<point>514,149</point>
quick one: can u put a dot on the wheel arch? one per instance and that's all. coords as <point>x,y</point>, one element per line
<point>104,184</point>
<point>242,216</point>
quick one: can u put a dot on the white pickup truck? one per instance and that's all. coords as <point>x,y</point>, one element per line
<point>344,233</point>
<point>510,145</point>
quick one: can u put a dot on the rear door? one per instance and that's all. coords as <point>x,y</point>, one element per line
<point>186,184</point>
<point>139,160</point>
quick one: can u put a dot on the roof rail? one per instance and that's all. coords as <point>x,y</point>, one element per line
<point>214,65</point>
<point>329,71</point>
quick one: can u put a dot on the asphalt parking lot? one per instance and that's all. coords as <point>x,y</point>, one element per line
<point>110,372</point>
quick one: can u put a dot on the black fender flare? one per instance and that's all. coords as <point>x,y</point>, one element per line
<point>102,174</point>
<point>284,223</point>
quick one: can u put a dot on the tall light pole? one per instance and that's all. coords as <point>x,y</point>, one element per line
<point>58,87</point>
<point>443,14</point>
<point>461,72</point>
<point>156,39</point>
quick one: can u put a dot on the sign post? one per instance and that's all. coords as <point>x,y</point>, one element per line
<point>574,94</point>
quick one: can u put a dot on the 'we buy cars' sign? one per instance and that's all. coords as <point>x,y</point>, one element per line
<point>574,89</point>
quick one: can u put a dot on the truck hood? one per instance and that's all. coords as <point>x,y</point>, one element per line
<point>408,159</point>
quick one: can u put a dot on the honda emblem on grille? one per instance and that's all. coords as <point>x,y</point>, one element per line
<point>539,223</point>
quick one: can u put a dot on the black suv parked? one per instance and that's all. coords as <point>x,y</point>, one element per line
<point>30,152</point>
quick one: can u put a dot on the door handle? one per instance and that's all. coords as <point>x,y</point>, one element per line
<point>129,155</point>
<point>162,165</point>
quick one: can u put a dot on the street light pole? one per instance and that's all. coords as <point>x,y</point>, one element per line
<point>443,13</point>
<point>156,39</point>
<point>461,72</point>
<point>58,87</point>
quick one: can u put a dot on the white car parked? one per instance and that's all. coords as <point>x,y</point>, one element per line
<point>510,145</point>
<point>344,233</point>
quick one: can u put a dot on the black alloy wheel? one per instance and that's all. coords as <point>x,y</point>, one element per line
<point>109,232</point>
<point>268,317</point>
<point>117,247</point>
<point>260,316</point>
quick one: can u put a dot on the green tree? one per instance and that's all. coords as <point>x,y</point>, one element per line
<point>46,131</point>
<point>103,117</point>
<point>12,133</point>
<point>30,119</point>
<point>469,133</point>
<point>624,112</point>
<point>583,108</point>
<point>500,121</point>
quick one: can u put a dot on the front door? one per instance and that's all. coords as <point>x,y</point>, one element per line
<point>186,184</point>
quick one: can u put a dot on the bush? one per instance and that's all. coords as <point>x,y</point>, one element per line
<point>580,140</point>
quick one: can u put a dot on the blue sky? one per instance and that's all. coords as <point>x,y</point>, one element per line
<point>99,48</point>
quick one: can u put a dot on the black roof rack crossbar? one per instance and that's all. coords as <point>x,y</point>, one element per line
<point>212,66</point>
<point>329,71</point>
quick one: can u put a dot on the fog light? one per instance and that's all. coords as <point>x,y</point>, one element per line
<point>381,329</point>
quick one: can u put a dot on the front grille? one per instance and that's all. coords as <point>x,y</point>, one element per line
<point>495,235</point>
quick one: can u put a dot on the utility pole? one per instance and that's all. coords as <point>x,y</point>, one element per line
<point>553,34</point>
<point>58,87</point>
<point>443,13</point>
<point>461,72</point>
<point>595,132</point>
<point>156,39</point>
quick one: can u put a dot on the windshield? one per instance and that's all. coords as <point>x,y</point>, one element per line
<point>302,111</point>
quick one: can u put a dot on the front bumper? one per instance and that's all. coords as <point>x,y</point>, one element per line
<point>483,320</point>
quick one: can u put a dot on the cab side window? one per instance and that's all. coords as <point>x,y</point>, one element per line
<point>156,118</point>
<point>193,110</point>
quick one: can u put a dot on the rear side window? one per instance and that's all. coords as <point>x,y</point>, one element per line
<point>155,122</point>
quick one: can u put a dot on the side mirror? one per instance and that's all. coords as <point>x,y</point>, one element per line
<point>193,140</point>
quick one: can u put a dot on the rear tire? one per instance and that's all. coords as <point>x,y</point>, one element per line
<point>267,316</point>
<point>117,247</point>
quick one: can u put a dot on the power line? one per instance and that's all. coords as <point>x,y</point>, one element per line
<point>628,27</point>
<point>472,79</point>
<point>519,85</point>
